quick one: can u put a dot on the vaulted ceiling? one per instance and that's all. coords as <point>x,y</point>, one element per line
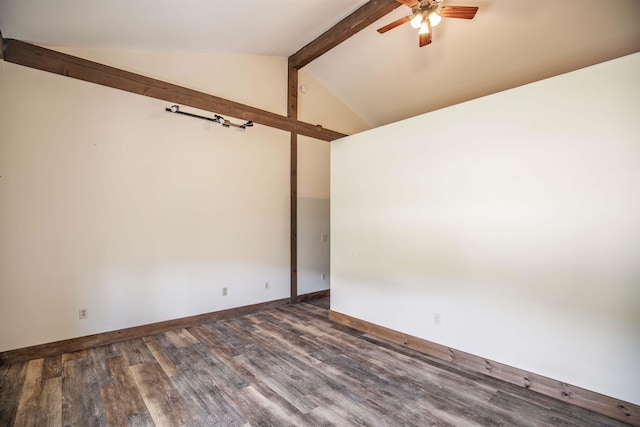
<point>383,78</point>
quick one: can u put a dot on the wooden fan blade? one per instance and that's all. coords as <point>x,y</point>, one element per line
<point>394,24</point>
<point>409,3</point>
<point>463,12</point>
<point>425,39</point>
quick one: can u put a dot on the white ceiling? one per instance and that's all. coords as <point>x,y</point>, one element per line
<point>383,78</point>
<point>253,27</point>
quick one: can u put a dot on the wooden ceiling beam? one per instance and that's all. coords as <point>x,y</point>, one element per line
<point>37,57</point>
<point>364,16</point>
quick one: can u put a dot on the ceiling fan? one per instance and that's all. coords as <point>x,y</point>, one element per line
<point>426,14</point>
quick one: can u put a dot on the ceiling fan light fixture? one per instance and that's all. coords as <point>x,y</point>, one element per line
<point>416,21</point>
<point>428,13</point>
<point>424,27</point>
<point>435,19</point>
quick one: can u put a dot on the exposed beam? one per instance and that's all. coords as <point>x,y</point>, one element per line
<point>292,112</point>
<point>37,57</point>
<point>366,15</point>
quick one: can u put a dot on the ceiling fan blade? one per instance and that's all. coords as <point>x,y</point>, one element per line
<point>394,24</point>
<point>409,3</point>
<point>425,39</point>
<point>463,12</point>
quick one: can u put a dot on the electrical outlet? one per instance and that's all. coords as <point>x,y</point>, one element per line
<point>437,319</point>
<point>323,276</point>
<point>83,313</point>
<point>266,285</point>
<point>224,292</point>
<point>324,238</point>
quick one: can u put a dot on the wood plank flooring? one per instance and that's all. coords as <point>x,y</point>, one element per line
<point>287,366</point>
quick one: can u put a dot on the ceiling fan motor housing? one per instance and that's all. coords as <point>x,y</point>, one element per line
<point>427,7</point>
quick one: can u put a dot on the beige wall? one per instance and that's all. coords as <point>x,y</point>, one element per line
<point>513,218</point>
<point>257,81</point>
<point>112,204</point>
<point>313,215</point>
<point>319,106</point>
<point>316,105</point>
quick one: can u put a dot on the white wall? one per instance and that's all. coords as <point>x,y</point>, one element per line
<point>109,203</point>
<point>257,81</point>
<point>261,82</point>
<point>515,217</point>
<point>316,105</point>
<point>313,215</point>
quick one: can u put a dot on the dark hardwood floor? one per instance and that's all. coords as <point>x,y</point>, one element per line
<point>321,302</point>
<point>285,366</point>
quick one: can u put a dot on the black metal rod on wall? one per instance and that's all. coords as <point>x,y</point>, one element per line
<point>216,118</point>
